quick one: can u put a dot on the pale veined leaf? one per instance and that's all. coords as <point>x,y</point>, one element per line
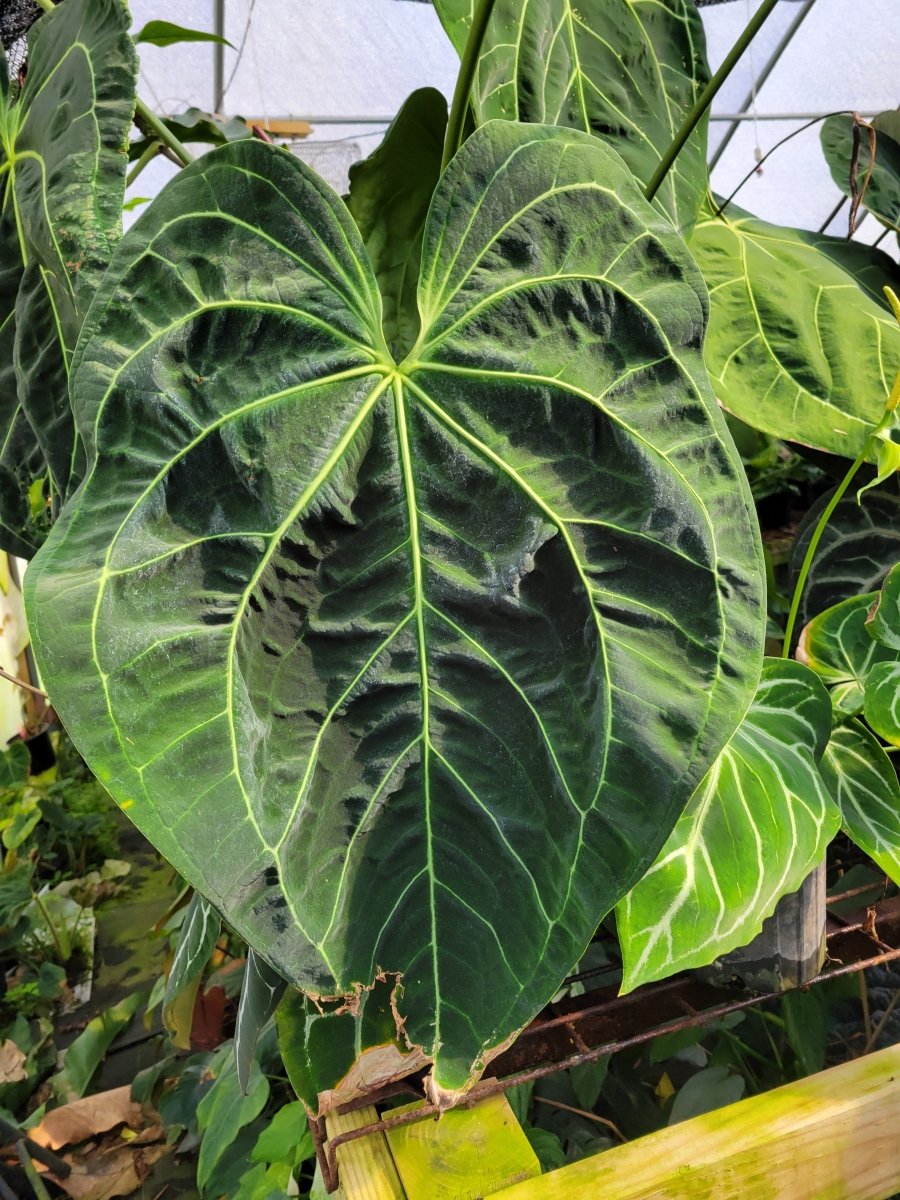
<point>863,782</point>
<point>838,646</point>
<point>627,71</point>
<point>756,826</point>
<point>409,667</point>
<point>883,618</point>
<point>801,344</point>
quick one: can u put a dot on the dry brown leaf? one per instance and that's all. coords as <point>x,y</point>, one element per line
<point>73,1123</point>
<point>12,1063</point>
<point>103,1175</point>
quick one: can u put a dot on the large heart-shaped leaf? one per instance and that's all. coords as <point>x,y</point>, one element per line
<point>408,668</point>
<point>62,177</point>
<point>839,648</point>
<point>389,196</point>
<point>860,543</point>
<point>882,193</point>
<point>627,71</point>
<point>754,829</point>
<point>864,784</point>
<point>800,344</point>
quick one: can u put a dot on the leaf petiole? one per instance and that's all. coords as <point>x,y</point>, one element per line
<point>454,137</point>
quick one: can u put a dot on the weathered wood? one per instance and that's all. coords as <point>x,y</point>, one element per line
<point>467,1154</point>
<point>367,1170</point>
<point>833,1136</point>
<point>789,950</point>
<point>281,128</point>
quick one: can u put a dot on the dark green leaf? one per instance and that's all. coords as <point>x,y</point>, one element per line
<point>883,619</point>
<point>225,1110</point>
<point>15,763</point>
<point>807,1028</point>
<point>195,125</point>
<point>436,651</point>
<point>389,196</point>
<point>711,1088</point>
<point>62,151</point>
<point>262,989</point>
<point>863,782</point>
<point>754,829</point>
<point>164,33</point>
<point>798,345</point>
<point>587,1081</point>
<point>547,1147</point>
<point>196,941</point>
<point>882,195</point>
<point>860,544</point>
<point>627,71</point>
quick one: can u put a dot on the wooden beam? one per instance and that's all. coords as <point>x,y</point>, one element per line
<point>367,1171</point>
<point>833,1136</point>
<point>467,1154</point>
<point>281,128</point>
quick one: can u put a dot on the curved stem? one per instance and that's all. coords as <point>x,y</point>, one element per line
<point>147,156</point>
<point>817,537</point>
<point>468,66</point>
<point>705,99</point>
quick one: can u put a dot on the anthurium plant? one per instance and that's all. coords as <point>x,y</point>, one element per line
<point>404,584</point>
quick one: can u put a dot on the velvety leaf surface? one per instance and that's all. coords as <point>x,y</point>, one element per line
<point>839,648</point>
<point>860,544</point>
<point>882,195</point>
<point>863,782</point>
<point>752,832</point>
<point>62,153</point>
<point>409,668</point>
<point>627,71</point>
<point>389,196</point>
<point>800,344</point>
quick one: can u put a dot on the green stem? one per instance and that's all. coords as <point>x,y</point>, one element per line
<point>464,80</point>
<point>816,538</point>
<point>37,1184</point>
<point>149,118</point>
<point>54,932</point>
<point>147,156</point>
<point>705,99</point>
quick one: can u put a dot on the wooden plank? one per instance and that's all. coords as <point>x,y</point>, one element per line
<point>833,1136</point>
<point>467,1154</point>
<point>367,1171</point>
<point>281,127</point>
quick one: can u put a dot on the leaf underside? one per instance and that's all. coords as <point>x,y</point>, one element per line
<point>627,71</point>
<point>408,668</point>
<point>800,343</point>
<point>754,829</point>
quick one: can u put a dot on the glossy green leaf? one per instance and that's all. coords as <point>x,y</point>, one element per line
<point>286,1138</point>
<point>86,1053</point>
<point>196,941</point>
<point>165,33</point>
<point>261,991</point>
<point>882,703</point>
<point>800,344</point>
<point>63,161</point>
<point>754,829</point>
<point>883,618</point>
<point>408,667</point>
<point>627,71</point>
<point>882,195</point>
<point>389,196</point>
<point>224,1111</point>
<point>838,647</point>
<point>860,544</point>
<point>863,782</point>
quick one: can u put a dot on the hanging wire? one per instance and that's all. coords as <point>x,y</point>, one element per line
<point>240,52</point>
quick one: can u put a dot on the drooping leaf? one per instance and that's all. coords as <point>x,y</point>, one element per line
<point>860,544</point>
<point>800,344</point>
<point>225,1110</point>
<point>754,829</point>
<point>863,782</point>
<point>165,33</point>
<point>261,991</point>
<point>196,941</point>
<point>435,651</point>
<point>389,196</point>
<point>838,647</point>
<point>627,71</point>
<point>882,195</point>
<point>195,125</point>
<point>62,140</point>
